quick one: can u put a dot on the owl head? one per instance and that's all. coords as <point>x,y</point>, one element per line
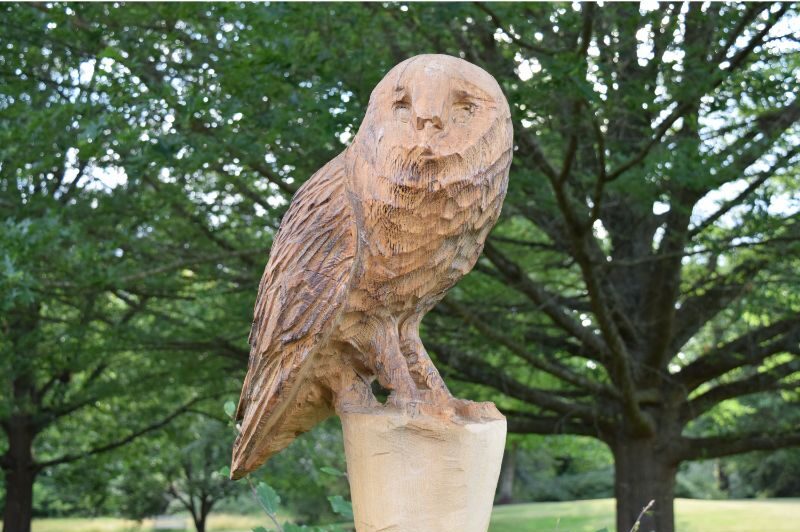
<point>433,118</point>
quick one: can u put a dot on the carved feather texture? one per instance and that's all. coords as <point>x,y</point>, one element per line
<point>368,246</point>
<point>300,296</point>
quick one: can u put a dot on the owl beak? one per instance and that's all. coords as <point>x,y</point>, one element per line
<point>429,109</point>
<point>428,112</point>
<point>425,137</point>
<point>428,132</point>
<point>428,120</point>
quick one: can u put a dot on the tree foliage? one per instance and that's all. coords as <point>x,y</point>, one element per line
<point>640,288</point>
<point>196,480</point>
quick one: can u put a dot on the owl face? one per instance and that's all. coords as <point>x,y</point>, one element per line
<point>433,116</point>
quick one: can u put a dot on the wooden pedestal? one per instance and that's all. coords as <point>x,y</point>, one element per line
<point>421,473</point>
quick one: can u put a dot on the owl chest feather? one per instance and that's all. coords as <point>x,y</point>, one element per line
<point>418,242</point>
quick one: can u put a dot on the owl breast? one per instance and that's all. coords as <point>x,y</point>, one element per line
<point>418,240</point>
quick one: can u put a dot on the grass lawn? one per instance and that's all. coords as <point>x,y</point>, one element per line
<point>773,515</point>
<point>216,523</point>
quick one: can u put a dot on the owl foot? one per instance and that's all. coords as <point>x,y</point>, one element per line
<point>436,397</point>
<point>476,412</point>
<point>409,402</point>
<point>346,404</point>
<point>354,393</point>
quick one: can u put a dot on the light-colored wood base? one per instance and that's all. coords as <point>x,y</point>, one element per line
<point>421,473</point>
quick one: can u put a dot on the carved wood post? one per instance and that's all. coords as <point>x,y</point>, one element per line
<point>423,473</point>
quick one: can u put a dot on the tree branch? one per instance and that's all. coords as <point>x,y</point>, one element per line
<point>739,57</point>
<point>759,179</point>
<point>604,304</point>
<point>546,301</point>
<point>750,14</point>
<point>660,131</point>
<point>744,350</point>
<point>735,62</point>
<point>697,310</point>
<point>67,458</point>
<point>717,447</point>
<point>519,42</point>
<point>760,382</point>
<point>557,344</point>
<point>557,370</point>
<point>186,503</point>
<point>475,370</point>
<point>532,147</point>
<point>525,423</point>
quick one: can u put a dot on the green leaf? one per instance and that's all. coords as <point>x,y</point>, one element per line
<point>332,471</point>
<point>225,471</point>
<point>111,53</point>
<point>268,497</point>
<point>230,408</point>
<point>291,527</point>
<point>340,506</point>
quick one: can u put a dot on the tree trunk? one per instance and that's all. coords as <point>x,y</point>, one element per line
<point>200,523</point>
<point>723,481</point>
<point>505,494</point>
<point>20,472</point>
<point>643,474</point>
<point>202,515</point>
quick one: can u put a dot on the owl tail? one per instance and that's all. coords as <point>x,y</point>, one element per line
<point>265,434</point>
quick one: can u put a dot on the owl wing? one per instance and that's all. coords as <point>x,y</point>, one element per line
<point>300,297</point>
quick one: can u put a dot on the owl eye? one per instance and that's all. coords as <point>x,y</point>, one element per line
<point>463,111</point>
<point>402,111</point>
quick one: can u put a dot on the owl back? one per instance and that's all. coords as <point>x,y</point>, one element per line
<point>301,296</point>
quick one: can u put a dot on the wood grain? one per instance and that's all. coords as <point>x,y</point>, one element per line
<point>368,246</point>
<point>421,473</point>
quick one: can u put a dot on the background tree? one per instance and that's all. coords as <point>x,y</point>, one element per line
<point>74,384</point>
<point>643,276</point>
<point>649,303</point>
<point>80,370</point>
<point>554,468</point>
<point>310,471</point>
<point>197,482</point>
<point>129,482</point>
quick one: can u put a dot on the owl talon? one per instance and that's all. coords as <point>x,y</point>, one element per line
<point>477,412</point>
<point>409,402</point>
<point>436,397</point>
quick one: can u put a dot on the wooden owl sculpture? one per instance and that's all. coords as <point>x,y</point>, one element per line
<point>370,244</point>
